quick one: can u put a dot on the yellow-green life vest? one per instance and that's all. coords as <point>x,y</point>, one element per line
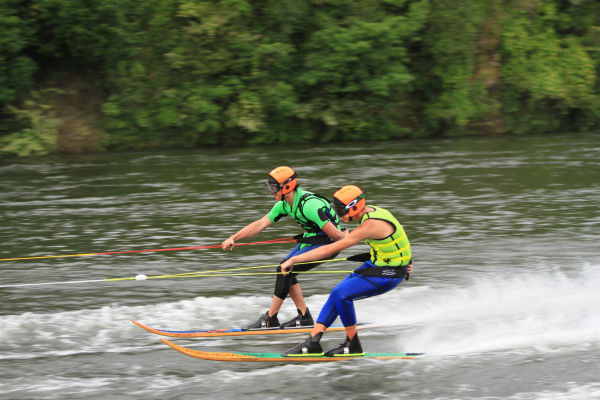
<point>392,251</point>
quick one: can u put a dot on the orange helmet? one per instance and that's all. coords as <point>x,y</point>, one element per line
<point>282,178</point>
<point>349,199</point>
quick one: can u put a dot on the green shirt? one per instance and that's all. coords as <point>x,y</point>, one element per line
<point>312,212</point>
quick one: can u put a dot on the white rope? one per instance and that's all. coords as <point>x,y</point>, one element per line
<point>50,283</point>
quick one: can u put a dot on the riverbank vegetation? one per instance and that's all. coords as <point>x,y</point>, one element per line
<point>149,74</point>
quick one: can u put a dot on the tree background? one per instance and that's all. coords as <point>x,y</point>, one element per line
<point>152,74</point>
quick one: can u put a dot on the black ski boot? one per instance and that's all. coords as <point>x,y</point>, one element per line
<point>350,348</point>
<point>300,320</point>
<point>308,348</point>
<point>264,321</point>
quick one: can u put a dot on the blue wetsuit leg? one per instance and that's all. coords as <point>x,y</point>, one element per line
<point>353,287</point>
<point>297,250</point>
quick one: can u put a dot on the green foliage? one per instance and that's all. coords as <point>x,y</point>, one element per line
<point>317,73</point>
<point>40,133</point>
<point>16,68</point>
<point>355,70</point>
<point>547,77</point>
<point>190,73</point>
<point>454,96</point>
<point>178,87</point>
<point>78,33</point>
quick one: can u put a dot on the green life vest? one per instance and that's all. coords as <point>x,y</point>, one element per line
<point>392,251</point>
<point>308,225</point>
<point>307,212</point>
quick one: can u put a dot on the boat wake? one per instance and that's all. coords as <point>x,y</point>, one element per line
<point>542,310</point>
<point>547,310</point>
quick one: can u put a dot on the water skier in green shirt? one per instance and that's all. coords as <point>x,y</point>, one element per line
<point>321,226</point>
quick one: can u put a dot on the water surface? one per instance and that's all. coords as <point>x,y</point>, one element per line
<point>504,298</point>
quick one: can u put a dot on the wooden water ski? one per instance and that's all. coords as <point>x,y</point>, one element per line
<point>277,357</point>
<point>235,331</point>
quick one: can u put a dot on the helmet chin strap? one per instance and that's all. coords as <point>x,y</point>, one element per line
<point>284,195</point>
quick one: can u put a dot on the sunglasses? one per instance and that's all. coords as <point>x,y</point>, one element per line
<point>342,209</point>
<point>273,188</point>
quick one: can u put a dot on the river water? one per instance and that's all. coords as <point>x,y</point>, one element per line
<point>504,299</point>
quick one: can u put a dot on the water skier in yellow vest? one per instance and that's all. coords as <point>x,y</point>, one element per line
<point>321,226</point>
<point>390,262</point>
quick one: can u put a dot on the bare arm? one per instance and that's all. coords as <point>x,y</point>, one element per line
<point>334,233</point>
<point>369,229</point>
<point>249,230</point>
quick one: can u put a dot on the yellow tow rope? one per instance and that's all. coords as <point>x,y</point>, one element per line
<point>194,274</point>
